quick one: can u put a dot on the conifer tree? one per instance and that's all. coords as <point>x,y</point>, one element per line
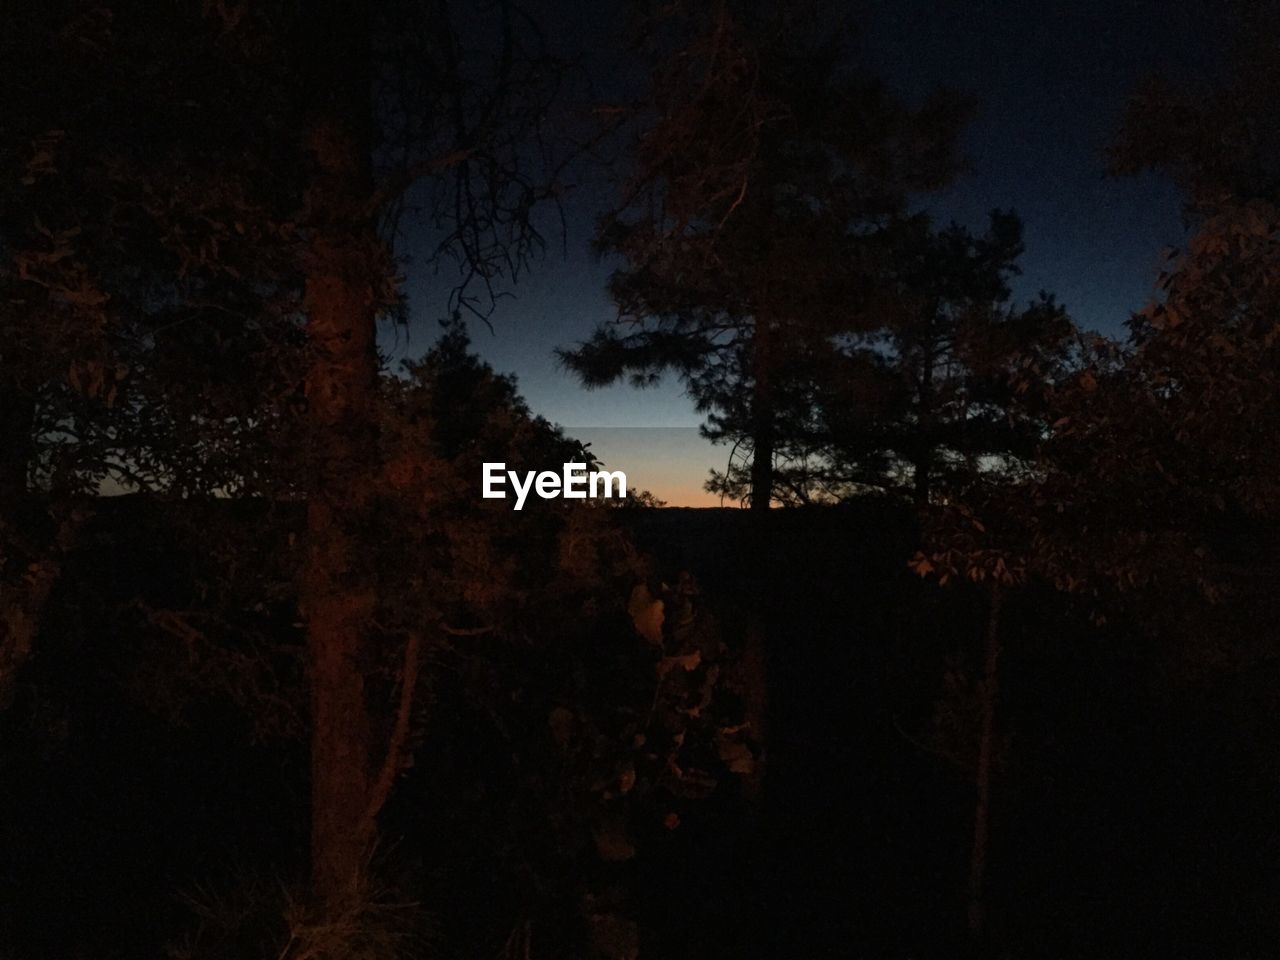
<point>761,175</point>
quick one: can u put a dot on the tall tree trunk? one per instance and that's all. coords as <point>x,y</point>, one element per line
<point>23,599</point>
<point>28,573</point>
<point>986,757</point>
<point>755,665</point>
<point>755,677</point>
<point>922,466</point>
<point>762,416</point>
<point>337,592</point>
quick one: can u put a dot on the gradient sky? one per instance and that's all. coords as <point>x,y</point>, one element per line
<point>1051,81</point>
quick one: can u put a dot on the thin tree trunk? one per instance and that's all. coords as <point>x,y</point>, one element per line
<point>24,600</point>
<point>35,568</point>
<point>922,467</point>
<point>337,593</point>
<point>755,676</point>
<point>986,755</point>
<point>762,416</point>
<point>755,665</point>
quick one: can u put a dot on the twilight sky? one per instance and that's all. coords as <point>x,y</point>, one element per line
<point>1050,80</point>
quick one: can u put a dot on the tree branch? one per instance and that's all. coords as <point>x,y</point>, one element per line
<point>394,761</point>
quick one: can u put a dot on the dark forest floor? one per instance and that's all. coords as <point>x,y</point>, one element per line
<point>1136,812</point>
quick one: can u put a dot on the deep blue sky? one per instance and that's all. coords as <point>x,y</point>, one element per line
<point>1050,80</point>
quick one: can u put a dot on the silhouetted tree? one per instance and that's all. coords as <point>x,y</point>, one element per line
<point>458,128</point>
<point>764,166</point>
<point>142,281</point>
<point>957,343</point>
<point>763,162</point>
<point>1205,351</point>
<point>201,219</point>
<point>921,397</point>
